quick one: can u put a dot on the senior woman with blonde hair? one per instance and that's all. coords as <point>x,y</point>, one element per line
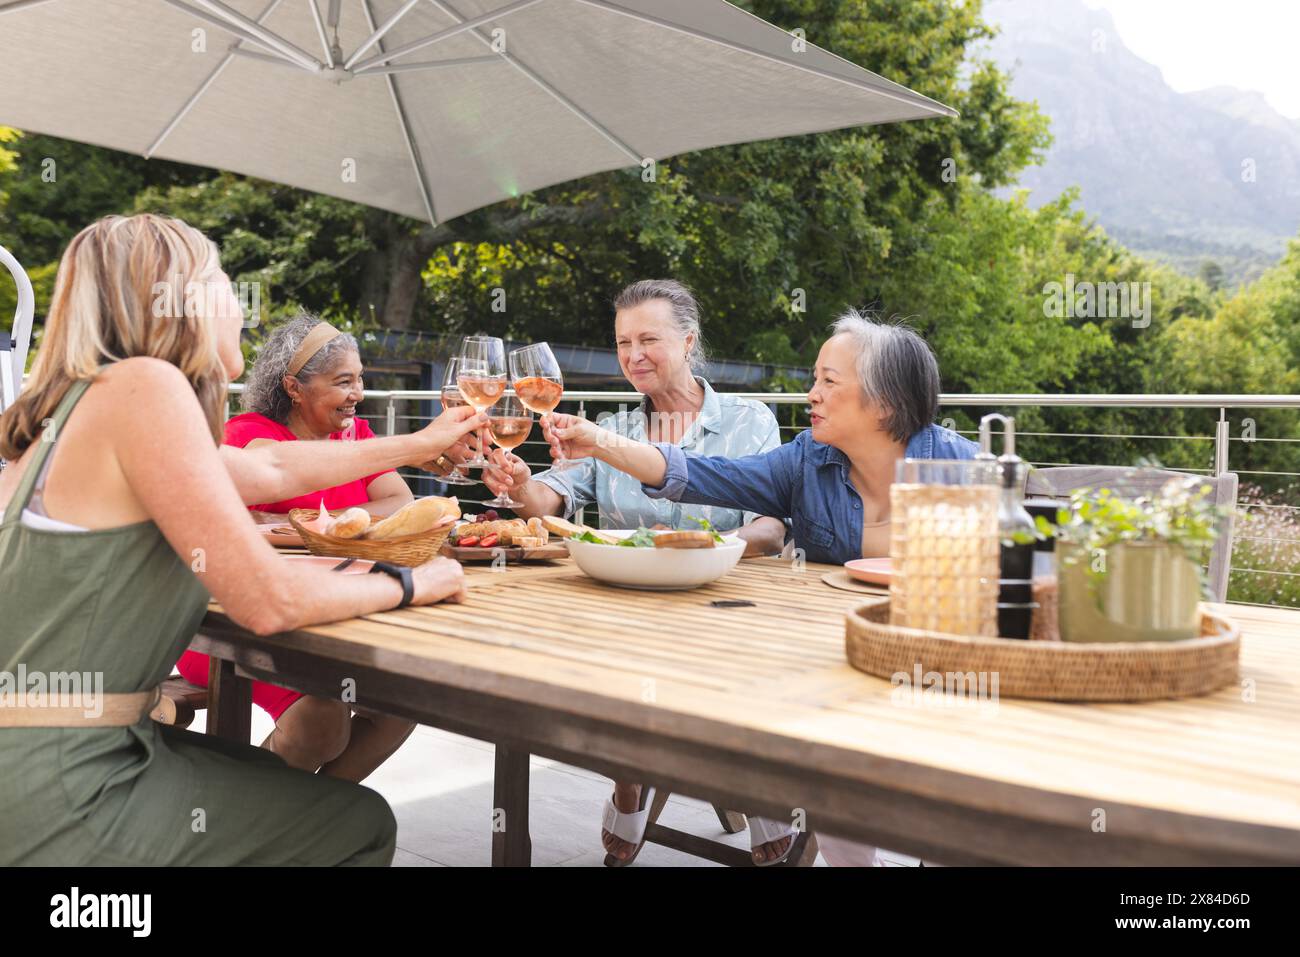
<point>120,519</point>
<point>874,398</point>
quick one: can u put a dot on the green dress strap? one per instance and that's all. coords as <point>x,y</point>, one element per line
<point>44,445</point>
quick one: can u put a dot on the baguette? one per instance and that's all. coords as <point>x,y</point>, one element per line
<point>422,515</point>
<point>567,529</point>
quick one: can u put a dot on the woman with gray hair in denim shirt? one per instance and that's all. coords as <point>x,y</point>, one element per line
<point>874,398</point>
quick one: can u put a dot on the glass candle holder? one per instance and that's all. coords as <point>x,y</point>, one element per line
<point>945,546</point>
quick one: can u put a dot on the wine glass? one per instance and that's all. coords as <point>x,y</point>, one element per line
<point>481,377</point>
<point>452,399</point>
<point>539,384</point>
<point>509,422</point>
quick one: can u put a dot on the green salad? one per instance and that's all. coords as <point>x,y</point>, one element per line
<point>642,537</point>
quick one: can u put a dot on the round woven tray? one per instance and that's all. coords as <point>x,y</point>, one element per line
<point>407,550</point>
<point>1052,670</point>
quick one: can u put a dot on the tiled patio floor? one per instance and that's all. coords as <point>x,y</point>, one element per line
<point>440,788</point>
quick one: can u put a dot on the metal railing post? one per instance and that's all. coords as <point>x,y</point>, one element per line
<point>1221,440</point>
<point>582,414</point>
<point>390,417</point>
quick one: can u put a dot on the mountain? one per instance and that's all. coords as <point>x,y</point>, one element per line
<point>1184,177</point>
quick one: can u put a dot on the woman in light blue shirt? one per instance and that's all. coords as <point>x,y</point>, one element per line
<point>657,329</point>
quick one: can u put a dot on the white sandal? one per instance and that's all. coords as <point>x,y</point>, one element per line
<point>629,826</point>
<point>803,844</point>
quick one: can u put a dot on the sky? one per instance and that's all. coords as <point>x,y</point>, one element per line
<point>1250,44</point>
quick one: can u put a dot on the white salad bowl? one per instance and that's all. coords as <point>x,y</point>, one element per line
<point>656,569</point>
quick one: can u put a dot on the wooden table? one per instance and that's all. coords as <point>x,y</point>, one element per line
<point>754,708</point>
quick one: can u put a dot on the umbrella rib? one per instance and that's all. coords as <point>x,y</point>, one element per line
<point>914,99</point>
<point>203,88</point>
<point>378,34</point>
<point>267,37</point>
<point>411,149</point>
<point>320,31</point>
<point>564,101</point>
<point>21,5</point>
<point>444,34</point>
<point>239,32</point>
<point>408,67</point>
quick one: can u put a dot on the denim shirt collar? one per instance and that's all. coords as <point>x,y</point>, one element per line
<point>920,446</point>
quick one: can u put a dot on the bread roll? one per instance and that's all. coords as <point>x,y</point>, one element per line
<point>527,541</point>
<point>351,524</point>
<point>422,515</point>
<point>537,530</point>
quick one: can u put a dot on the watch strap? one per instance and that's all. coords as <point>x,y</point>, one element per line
<point>402,574</point>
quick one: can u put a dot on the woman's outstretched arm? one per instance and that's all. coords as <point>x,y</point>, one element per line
<point>268,471</point>
<point>760,483</point>
<point>174,473</point>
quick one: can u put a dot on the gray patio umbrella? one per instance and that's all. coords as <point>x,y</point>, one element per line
<point>429,108</point>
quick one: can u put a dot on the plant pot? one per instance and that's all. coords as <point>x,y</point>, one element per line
<point>1150,591</point>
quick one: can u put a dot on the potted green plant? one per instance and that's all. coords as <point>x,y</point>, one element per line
<point>1130,569</point>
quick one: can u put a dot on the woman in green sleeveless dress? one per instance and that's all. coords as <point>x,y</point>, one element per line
<point>119,521</point>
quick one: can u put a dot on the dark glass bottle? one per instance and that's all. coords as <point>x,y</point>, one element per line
<point>1016,590</point>
<point>1016,603</point>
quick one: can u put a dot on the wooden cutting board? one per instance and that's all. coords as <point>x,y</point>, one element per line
<point>546,553</point>
<point>282,536</point>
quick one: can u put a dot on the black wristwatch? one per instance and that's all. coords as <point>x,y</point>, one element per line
<point>402,574</point>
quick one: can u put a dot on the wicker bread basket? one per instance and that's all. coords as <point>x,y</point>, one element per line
<point>408,550</point>
<point>1052,670</point>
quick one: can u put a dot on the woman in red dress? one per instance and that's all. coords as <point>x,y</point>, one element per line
<point>305,386</point>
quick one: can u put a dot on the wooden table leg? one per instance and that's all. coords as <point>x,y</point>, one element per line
<point>511,844</point>
<point>230,702</point>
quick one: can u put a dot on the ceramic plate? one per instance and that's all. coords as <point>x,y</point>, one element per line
<point>875,571</point>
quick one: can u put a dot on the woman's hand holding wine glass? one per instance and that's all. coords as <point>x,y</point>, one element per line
<point>509,422</point>
<point>507,474</point>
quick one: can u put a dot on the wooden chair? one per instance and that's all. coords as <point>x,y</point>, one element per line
<point>1060,482</point>
<point>180,700</point>
<point>14,343</point>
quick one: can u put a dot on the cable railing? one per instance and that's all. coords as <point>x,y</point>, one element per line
<point>1266,558</point>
